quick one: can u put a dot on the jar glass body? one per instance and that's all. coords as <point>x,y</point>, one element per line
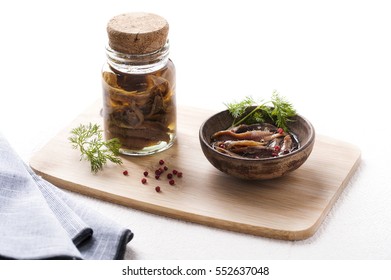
<point>139,101</point>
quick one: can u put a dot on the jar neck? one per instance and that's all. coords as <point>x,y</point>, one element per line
<point>138,63</point>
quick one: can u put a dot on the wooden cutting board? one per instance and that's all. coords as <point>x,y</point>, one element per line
<point>291,207</point>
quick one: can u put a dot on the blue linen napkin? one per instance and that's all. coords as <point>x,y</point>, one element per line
<point>39,221</point>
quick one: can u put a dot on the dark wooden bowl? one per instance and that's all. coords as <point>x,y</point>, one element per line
<point>256,169</point>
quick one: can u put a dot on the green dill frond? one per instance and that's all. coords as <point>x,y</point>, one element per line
<point>278,109</point>
<point>282,111</point>
<point>237,109</point>
<point>89,140</point>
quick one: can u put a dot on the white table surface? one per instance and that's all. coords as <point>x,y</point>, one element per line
<point>331,59</point>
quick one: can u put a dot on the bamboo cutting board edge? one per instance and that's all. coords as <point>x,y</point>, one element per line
<point>39,160</point>
<point>312,230</point>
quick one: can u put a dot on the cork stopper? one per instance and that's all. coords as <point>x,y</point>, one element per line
<point>137,33</point>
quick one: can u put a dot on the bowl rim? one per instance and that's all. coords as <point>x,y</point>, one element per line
<point>279,158</point>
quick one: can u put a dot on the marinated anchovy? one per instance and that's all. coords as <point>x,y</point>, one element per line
<point>254,141</point>
<point>143,115</point>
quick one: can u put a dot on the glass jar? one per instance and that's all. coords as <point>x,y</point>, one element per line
<point>139,106</point>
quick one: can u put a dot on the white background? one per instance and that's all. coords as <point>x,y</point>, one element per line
<point>331,59</point>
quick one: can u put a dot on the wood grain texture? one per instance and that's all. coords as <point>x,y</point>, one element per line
<point>291,207</point>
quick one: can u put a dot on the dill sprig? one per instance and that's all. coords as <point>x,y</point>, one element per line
<point>277,109</point>
<point>89,140</point>
<point>237,109</point>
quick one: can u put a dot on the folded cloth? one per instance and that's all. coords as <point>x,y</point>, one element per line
<point>39,221</point>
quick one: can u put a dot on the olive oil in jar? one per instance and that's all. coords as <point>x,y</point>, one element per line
<point>139,106</point>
